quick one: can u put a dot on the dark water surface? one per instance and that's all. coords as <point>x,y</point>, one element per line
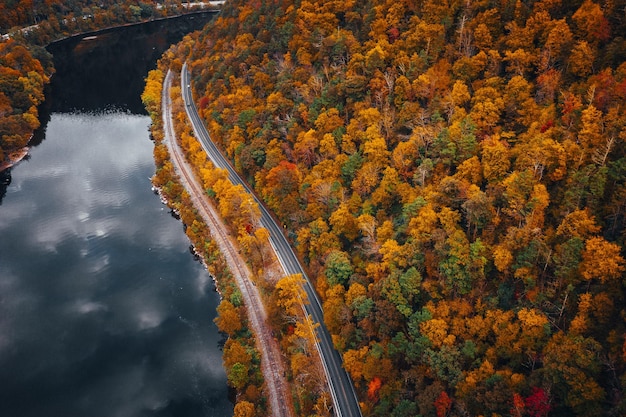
<point>103,310</point>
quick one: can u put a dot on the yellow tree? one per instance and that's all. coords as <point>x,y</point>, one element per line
<point>336,313</point>
<point>353,360</point>
<point>422,226</point>
<point>591,135</point>
<point>305,148</point>
<point>545,156</point>
<point>244,409</point>
<point>535,331</point>
<point>403,158</point>
<point>344,223</point>
<point>581,59</point>
<point>572,366</point>
<point>228,319</point>
<point>151,96</point>
<point>601,260</point>
<point>579,223</point>
<point>235,352</point>
<point>291,295</point>
<point>591,23</point>
<point>558,44</point>
<point>487,106</point>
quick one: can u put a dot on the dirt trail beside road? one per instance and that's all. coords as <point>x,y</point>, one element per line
<point>272,365</point>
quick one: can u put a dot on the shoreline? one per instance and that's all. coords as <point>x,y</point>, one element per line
<point>13,158</point>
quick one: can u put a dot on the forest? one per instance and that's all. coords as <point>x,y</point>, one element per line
<point>453,175</point>
<point>59,14</point>
<point>22,80</point>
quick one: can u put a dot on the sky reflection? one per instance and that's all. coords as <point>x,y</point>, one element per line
<point>103,311</point>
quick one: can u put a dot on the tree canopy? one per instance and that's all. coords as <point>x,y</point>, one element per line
<point>454,175</point>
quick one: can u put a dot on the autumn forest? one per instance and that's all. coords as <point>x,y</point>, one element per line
<point>453,175</point>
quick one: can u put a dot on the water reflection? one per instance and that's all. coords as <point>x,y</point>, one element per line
<point>107,71</point>
<point>103,311</point>
<point>113,65</point>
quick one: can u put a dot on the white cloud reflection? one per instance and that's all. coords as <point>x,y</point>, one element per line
<point>102,278</point>
<point>87,306</point>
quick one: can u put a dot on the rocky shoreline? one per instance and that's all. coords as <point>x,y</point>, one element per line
<point>13,158</point>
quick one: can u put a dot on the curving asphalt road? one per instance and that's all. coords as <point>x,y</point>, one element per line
<point>341,388</point>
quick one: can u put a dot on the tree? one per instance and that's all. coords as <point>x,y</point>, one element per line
<point>443,404</point>
<point>238,376</point>
<point>601,260</point>
<point>291,295</point>
<point>445,363</point>
<point>592,136</point>
<point>280,183</point>
<point>558,43</point>
<point>335,313</point>
<point>244,409</point>
<point>353,362</point>
<point>338,268</point>
<point>151,96</point>
<point>534,331</point>
<point>344,223</point>
<point>520,105</point>
<point>422,226</point>
<point>235,352</point>
<point>591,23</point>
<point>581,59</point>
<point>367,178</point>
<point>228,320</point>
<point>405,408</point>
<point>526,199</point>
<point>402,289</point>
<point>543,155</point>
<point>495,159</point>
<point>578,224</point>
<point>478,209</point>
<point>487,106</point>
<point>572,365</point>
<point>520,61</point>
<point>305,148</point>
<point>464,263</point>
<point>538,403</point>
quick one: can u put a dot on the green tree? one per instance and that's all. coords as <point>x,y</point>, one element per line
<point>238,376</point>
<point>338,268</point>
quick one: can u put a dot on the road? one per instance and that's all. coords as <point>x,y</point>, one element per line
<point>271,358</point>
<point>344,397</point>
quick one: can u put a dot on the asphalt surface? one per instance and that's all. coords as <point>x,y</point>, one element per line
<point>272,364</point>
<point>344,397</point>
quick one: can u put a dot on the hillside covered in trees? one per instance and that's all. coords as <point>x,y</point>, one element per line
<point>24,71</point>
<point>60,14</point>
<point>453,173</point>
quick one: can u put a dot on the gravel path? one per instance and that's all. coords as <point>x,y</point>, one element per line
<point>272,365</point>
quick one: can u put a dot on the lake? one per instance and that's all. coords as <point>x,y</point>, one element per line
<point>103,309</point>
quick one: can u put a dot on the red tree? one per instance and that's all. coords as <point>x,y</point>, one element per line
<point>538,403</point>
<point>443,403</point>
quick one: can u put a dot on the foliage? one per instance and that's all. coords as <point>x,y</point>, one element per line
<point>55,17</point>
<point>22,80</point>
<point>241,359</point>
<point>453,174</point>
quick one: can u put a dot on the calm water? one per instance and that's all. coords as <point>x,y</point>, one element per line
<point>103,310</point>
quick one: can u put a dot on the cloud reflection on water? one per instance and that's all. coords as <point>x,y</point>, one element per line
<point>102,309</point>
